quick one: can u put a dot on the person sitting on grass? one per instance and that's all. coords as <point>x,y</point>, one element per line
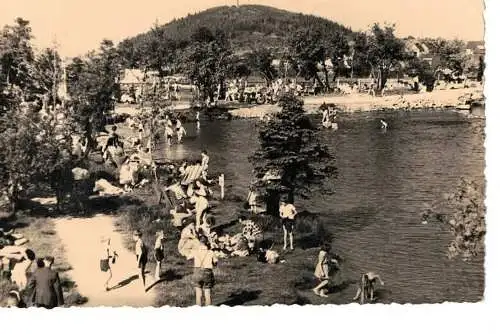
<point>14,300</point>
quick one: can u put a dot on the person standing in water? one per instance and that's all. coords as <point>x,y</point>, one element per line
<point>169,133</point>
<point>181,132</point>
<point>287,214</point>
<point>141,254</point>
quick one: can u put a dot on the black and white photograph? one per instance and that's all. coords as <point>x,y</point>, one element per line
<point>241,153</point>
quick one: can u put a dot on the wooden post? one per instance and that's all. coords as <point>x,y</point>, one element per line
<point>221,184</point>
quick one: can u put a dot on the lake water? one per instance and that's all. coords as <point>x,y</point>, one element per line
<point>384,179</point>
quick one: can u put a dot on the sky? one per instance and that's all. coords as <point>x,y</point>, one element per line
<point>78,26</point>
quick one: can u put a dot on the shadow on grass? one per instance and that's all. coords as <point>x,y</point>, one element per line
<point>167,276</point>
<point>94,205</point>
<point>241,297</point>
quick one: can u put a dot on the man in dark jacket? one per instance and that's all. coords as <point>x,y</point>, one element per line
<point>46,286</point>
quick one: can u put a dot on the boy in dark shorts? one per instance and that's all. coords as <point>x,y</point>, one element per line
<point>141,254</point>
<point>287,215</point>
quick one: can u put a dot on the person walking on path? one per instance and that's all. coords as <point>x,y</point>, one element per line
<point>108,258</point>
<point>159,253</point>
<point>203,274</point>
<point>141,255</point>
<point>46,286</point>
<point>287,214</point>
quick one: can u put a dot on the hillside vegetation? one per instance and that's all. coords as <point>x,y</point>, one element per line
<point>247,27</point>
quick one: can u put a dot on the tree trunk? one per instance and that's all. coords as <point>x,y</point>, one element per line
<point>325,70</point>
<point>272,203</point>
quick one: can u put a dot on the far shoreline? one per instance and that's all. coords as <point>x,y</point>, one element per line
<point>436,100</point>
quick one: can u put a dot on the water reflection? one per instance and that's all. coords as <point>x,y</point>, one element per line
<point>384,179</point>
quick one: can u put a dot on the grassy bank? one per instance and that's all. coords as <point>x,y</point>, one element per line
<point>44,241</point>
<point>240,280</point>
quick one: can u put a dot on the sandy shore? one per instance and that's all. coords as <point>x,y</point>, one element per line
<point>363,102</point>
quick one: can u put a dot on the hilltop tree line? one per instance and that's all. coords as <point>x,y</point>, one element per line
<point>250,38</point>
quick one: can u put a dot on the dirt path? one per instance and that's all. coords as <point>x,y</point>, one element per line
<point>81,238</point>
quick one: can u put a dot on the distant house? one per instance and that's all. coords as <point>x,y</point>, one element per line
<point>476,49</point>
<point>133,78</point>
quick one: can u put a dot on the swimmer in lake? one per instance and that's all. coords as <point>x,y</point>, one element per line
<point>383,125</point>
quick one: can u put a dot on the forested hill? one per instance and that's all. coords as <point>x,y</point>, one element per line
<point>247,27</point>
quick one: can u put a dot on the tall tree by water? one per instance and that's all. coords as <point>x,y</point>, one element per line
<point>207,61</point>
<point>261,61</point>
<point>382,51</point>
<point>290,160</point>
<point>308,49</point>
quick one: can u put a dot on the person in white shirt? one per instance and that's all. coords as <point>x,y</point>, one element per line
<point>287,215</point>
<point>200,207</point>
<point>141,254</point>
<point>204,159</point>
<point>203,274</point>
<point>181,132</point>
<point>159,253</point>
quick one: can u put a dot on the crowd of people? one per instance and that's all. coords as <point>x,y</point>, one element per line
<point>187,191</point>
<point>37,283</point>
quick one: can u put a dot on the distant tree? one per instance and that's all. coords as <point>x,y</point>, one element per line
<point>382,50</point>
<point>427,73</point>
<point>30,153</point>
<point>47,73</point>
<point>207,61</point>
<point>452,53</point>
<point>337,48</point>
<point>16,60</point>
<point>261,61</point>
<point>239,69</point>
<point>308,49</point>
<point>291,152</point>
<point>158,51</point>
<point>463,211</point>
